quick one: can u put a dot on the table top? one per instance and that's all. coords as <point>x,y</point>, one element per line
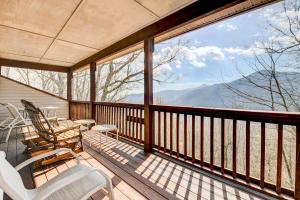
<point>104,127</point>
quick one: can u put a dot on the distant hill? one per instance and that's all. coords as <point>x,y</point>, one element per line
<point>219,95</point>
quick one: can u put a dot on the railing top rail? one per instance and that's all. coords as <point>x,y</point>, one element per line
<point>126,105</point>
<point>289,118</point>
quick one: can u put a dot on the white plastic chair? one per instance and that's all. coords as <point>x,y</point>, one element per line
<point>76,183</point>
<point>14,120</point>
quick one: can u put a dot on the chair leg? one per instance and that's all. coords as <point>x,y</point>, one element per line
<point>110,190</point>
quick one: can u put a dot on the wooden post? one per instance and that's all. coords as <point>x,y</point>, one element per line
<point>297,167</point>
<point>69,90</point>
<point>93,66</point>
<point>148,94</point>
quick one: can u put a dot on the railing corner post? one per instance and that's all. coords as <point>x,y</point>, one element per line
<point>69,91</point>
<point>148,96</point>
<point>93,66</point>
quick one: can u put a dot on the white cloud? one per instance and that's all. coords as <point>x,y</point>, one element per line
<point>251,51</point>
<point>227,27</point>
<point>197,56</point>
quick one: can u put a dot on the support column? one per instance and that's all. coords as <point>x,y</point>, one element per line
<point>93,66</point>
<point>148,95</point>
<point>69,90</point>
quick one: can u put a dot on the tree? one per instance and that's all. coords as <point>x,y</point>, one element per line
<point>116,78</point>
<point>270,57</point>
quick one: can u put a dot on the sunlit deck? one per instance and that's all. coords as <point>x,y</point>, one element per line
<point>134,175</point>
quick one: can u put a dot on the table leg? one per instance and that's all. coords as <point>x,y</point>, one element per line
<point>117,136</point>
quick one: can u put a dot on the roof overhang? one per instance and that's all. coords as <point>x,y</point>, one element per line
<point>68,35</point>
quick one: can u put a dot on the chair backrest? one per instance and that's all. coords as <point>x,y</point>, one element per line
<point>10,180</point>
<point>39,121</point>
<point>14,112</point>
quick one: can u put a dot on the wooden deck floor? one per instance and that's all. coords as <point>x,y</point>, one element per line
<point>134,175</point>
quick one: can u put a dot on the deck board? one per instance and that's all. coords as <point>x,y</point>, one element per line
<point>135,176</point>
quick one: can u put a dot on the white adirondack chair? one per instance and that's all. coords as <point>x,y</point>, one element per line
<point>14,120</point>
<point>76,183</point>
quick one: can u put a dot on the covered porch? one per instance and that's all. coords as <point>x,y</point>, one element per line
<point>165,151</point>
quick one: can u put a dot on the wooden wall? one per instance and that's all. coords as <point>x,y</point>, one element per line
<point>13,92</point>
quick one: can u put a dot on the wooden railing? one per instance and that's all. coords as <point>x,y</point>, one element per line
<point>79,110</point>
<point>129,118</point>
<point>179,129</point>
<point>203,137</point>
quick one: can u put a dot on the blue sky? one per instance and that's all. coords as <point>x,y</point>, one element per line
<point>223,48</point>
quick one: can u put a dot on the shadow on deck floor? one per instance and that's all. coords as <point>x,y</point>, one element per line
<point>134,175</point>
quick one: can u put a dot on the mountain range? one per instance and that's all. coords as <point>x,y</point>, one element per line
<point>223,95</point>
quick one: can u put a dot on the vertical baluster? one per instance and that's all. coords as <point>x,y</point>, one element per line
<point>165,131</point>
<point>126,124</point>
<point>114,111</point>
<point>279,158</point>
<point>185,137</point>
<point>202,140</point>
<point>141,125</point>
<point>262,154</point>
<point>132,123</point>
<point>177,134</point>
<point>129,123</point>
<point>248,151</point>
<point>222,144</point>
<point>171,133</point>
<point>122,120</point>
<point>193,138</point>
<point>110,115</point>
<point>96,117</point>
<point>136,125</point>
<point>158,131</point>
<point>118,117</point>
<point>211,143</point>
<point>234,148</point>
<point>107,114</point>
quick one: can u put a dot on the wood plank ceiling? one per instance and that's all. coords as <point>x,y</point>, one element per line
<point>63,33</point>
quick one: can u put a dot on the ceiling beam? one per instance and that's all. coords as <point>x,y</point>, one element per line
<point>181,17</point>
<point>33,65</point>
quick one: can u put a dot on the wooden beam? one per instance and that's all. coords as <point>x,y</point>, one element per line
<point>191,12</point>
<point>93,67</point>
<point>148,95</point>
<point>33,65</point>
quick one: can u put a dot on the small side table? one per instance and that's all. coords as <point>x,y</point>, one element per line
<point>105,128</point>
<point>87,123</point>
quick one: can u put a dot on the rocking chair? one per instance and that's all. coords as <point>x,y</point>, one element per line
<point>51,137</point>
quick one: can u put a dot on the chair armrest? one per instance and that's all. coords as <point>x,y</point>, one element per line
<point>31,160</point>
<point>77,126</point>
<point>62,183</point>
